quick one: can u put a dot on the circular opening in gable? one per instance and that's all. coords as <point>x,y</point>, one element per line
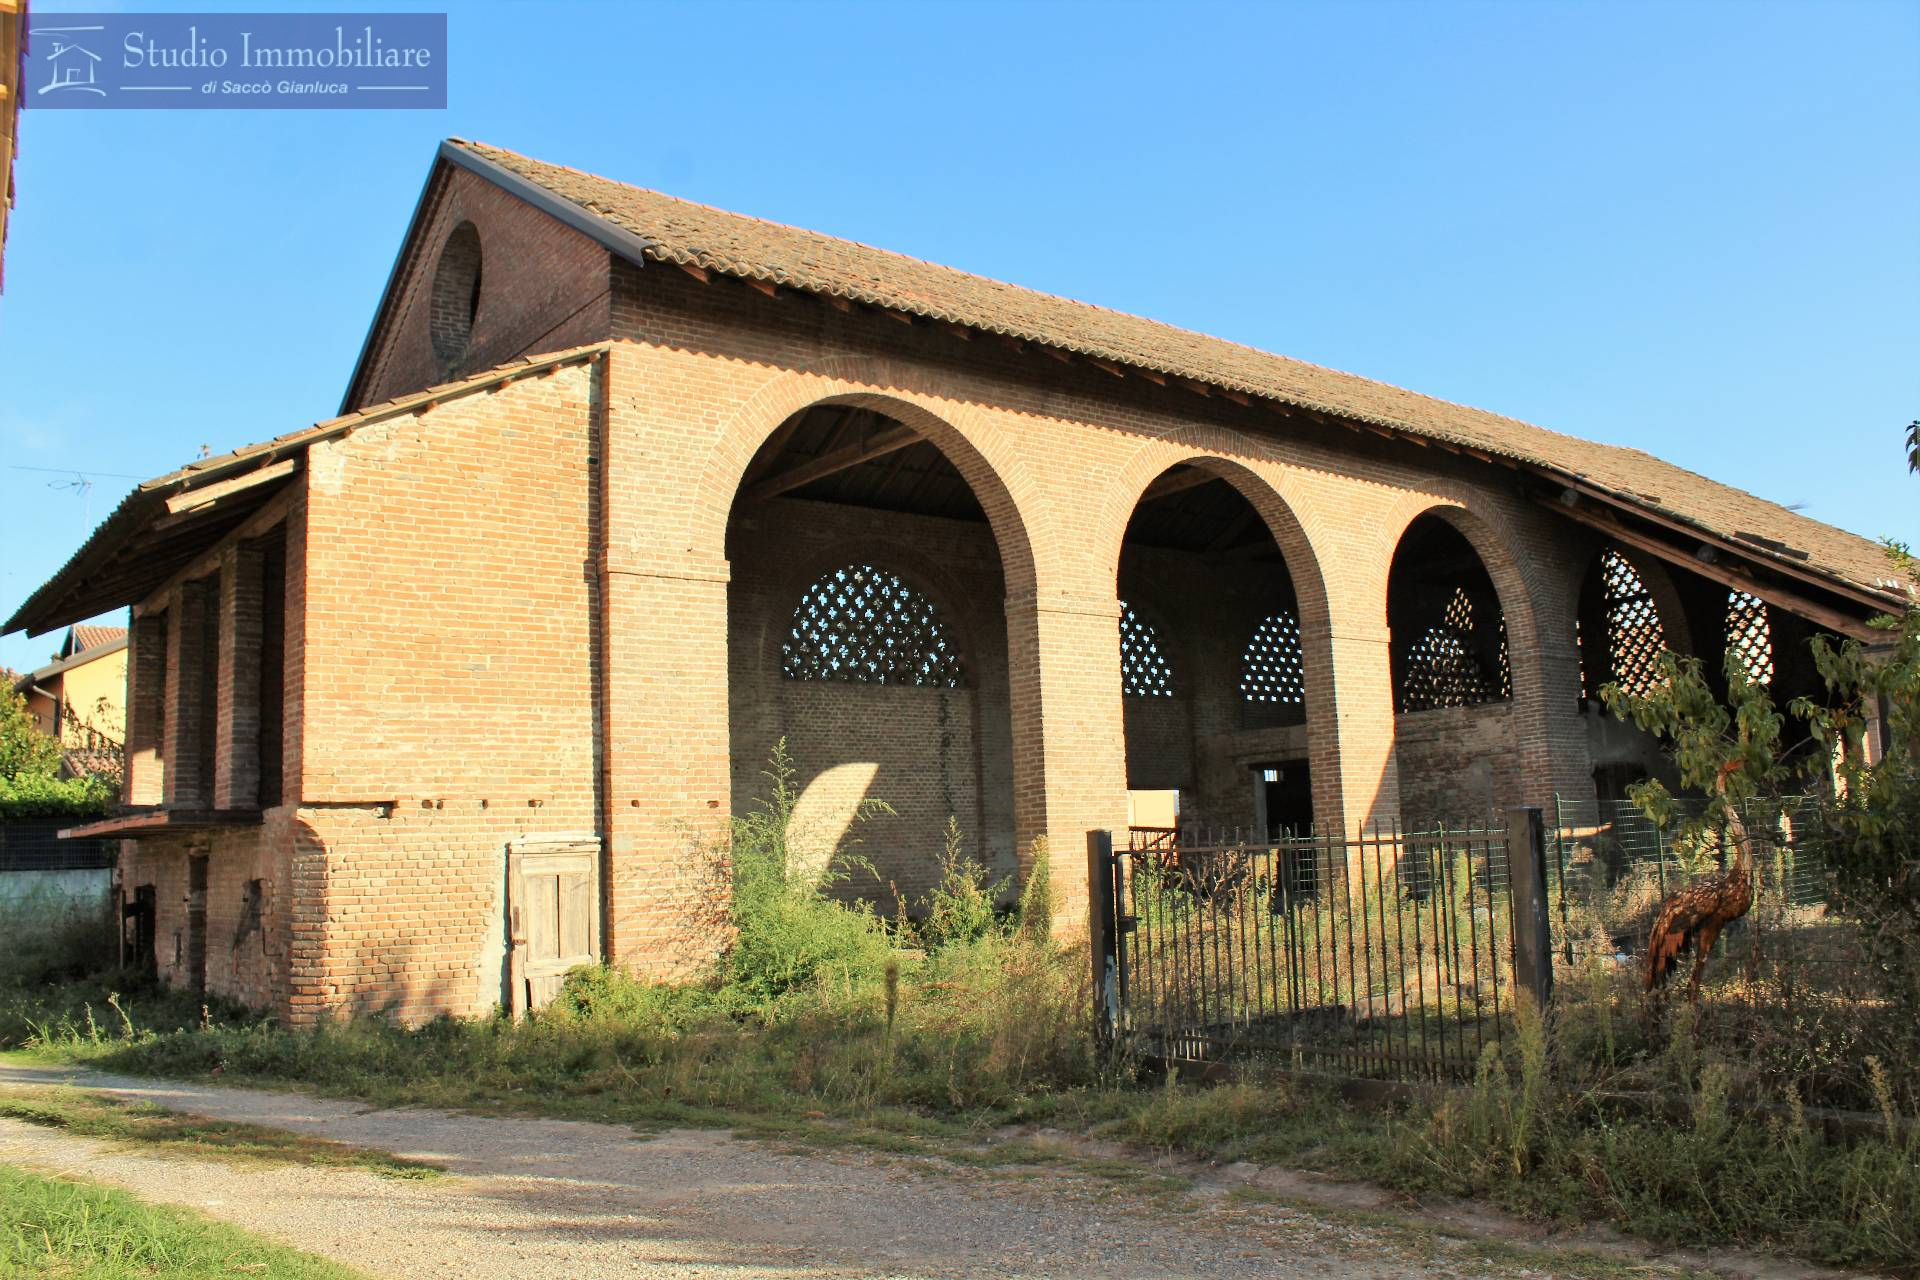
<point>456,294</point>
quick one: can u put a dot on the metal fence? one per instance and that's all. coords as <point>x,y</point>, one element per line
<point>1402,952</point>
<point>34,844</point>
<point>1388,954</point>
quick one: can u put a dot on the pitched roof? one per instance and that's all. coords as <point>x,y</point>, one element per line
<point>663,228</point>
<point>71,658</point>
<point>89,635</point>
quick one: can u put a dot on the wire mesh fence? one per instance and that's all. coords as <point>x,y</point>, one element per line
<point>1789,992</point>
<point>1385,955</point>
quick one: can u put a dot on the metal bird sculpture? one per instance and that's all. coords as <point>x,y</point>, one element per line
<point>1692,918</point>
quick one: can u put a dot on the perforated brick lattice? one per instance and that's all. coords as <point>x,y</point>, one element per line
<point>1441,669</point>
<point>1635,638</point>
<point>1144,669</point>
<point>1270,670</point>
<point>865,625</point>
<point>1749,638</point>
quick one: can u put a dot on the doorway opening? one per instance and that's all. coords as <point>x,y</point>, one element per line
<point>1284,797</point>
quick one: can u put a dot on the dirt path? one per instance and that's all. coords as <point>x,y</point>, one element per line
<point>547,1198</point>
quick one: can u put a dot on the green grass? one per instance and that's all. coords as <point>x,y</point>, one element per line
<point>824,1028</point>
<point>971,1049</point>
<point>94,1115</point>
<point>64,1230</point>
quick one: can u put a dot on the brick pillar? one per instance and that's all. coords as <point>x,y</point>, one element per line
<point>236,782</point>
<point>1069,736</point>
<point>666,778</point>
<point>1549,731</point>
<point>146,709</point>
<point>192,679</point>
<point>1356,778</point>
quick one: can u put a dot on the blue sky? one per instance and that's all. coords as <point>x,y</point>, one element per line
<point>1687,228</point>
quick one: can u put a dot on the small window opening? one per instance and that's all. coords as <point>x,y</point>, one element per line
<point>864,625</point>
<point>1270,670</point>
<point>456,295</point>
<point>1749,637</point>
<point>1144,669</point>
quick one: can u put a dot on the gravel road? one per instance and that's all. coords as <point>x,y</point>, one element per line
<point>546,1198</point>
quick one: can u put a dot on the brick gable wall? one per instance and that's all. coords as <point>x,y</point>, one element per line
<point>543,287</point>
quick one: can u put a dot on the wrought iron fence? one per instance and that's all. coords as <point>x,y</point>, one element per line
<point>1387,954</point>
<point>1401,952</point>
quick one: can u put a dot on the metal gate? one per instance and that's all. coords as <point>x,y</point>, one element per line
<point>1394,954</point>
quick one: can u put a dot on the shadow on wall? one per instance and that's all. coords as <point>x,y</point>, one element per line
<point>397,973</point>
<point>826,817</point>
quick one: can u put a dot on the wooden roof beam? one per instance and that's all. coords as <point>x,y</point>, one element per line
<point>1177,482</point>
<point>1715,565</point>
<point>878,445</point>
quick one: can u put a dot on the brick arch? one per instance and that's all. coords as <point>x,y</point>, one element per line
<point>998,480</point>
<point>1493,539</point>
<point>1269,492</point>
<point>1518,586</point>
<point>1213,449</point>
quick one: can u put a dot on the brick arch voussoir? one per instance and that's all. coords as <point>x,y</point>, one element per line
<point>903,393</point>
<point>1502,552</point>
<point>1224,454</point>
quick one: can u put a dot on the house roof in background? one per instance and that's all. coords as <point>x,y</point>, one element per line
<point>649,225</point>
<point>105,649</point>
<point>90,635</point>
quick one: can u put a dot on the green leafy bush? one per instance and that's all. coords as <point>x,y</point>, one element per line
<point>788,933</point>
<point>960,909</point>
<point>30,781</point>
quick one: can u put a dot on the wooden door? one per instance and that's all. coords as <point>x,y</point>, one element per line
<point>553,916</point>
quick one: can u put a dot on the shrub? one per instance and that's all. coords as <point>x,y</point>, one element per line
<point>788,933</point>
<point>960,908</point>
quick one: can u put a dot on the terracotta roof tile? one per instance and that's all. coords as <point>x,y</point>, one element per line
<point>88,635</point>
<point>680,231</point>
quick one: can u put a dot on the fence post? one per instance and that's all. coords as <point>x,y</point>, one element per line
<point>1527,872</point>
<point>1101,924</point>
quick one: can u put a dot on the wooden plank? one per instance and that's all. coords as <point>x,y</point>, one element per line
<point>878,445</point>
<point>1177,482</point>
<point>1788,568</point>
<point>540,914</point>
<point>576,917</point>
<point>193,499</point>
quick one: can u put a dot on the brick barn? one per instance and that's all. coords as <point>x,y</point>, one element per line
<point>430,699</point>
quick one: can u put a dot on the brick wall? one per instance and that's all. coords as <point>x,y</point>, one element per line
<point>449,673</point>
<point>475,590</point>
<point>1457,764</point>
<point>543,287</point>
<point>926,752</point>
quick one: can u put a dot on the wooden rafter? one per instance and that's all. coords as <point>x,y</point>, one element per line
<point>1177,482</point>
<point>1235,527</point>
<point>1716,565</point>
<point>878,445</point>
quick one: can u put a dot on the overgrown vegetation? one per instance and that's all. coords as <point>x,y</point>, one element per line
<point>825,1023</point>
<point>1857,800</point>
<point>30,781</point>
<point>58,1227</point>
